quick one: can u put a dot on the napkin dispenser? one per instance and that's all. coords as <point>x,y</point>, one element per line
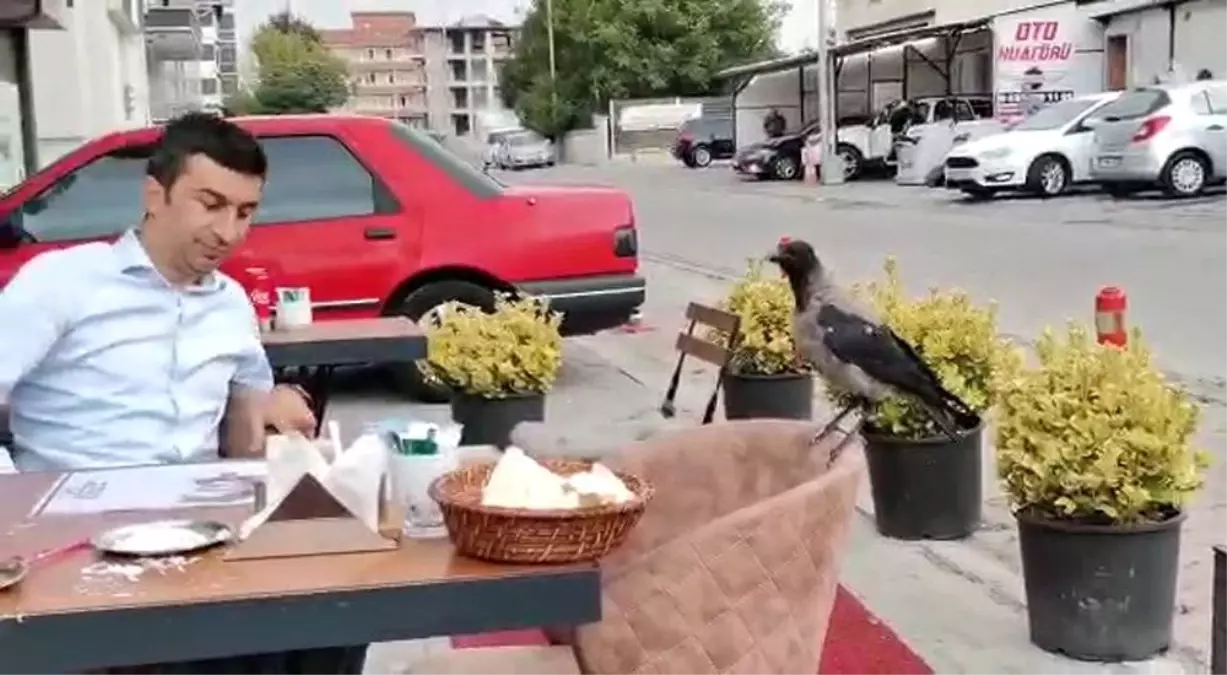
<point>310,506</point>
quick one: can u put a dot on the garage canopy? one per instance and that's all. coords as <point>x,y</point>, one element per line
<point>863,45</point>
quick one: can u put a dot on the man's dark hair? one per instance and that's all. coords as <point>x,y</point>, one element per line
<point>1205,74</point>
<point>200,133</point>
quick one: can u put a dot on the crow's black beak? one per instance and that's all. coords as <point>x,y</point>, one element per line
<point>774,257</point>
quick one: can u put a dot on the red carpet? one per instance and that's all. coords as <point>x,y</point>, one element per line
<point>857,643</point>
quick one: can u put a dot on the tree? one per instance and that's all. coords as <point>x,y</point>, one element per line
<point>613,49</point>
<point>297,73</point>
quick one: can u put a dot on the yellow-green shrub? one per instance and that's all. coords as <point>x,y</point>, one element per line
<point>764,303</point>
<point>1096,433</point>
<point>516,349</point>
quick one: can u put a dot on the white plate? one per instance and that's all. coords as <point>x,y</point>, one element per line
<point>162,537</point>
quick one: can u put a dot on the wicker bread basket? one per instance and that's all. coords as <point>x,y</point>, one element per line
<point>533,535</point>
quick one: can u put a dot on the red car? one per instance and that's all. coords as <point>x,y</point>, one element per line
<point>376,218</point>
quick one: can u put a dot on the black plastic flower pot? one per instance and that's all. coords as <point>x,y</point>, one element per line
<point>1100,592</point>
<point>489,421</point>
<point>784,396</point>
<point>928,488</point>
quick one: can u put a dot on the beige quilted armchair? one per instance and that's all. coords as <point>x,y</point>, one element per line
<point>733,568</point>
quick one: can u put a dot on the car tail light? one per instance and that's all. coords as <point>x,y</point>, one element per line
<point>1150,128</point>
<point>626,242</point>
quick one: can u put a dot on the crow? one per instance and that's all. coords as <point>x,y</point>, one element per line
<point>854,352</point>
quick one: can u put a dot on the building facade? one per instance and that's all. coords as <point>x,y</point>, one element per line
<point>464,67</point>
<point>192,56</point>
<point>445,78</point>
<point>387,66</point>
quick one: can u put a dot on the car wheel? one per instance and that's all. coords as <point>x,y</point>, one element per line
<point>701,156</point>
<point>423,306</point>
<point>784,168</point>
<point>688,160</point>
<point>1047,177</point>
<point>852,160</point>
<point>1184,175</point>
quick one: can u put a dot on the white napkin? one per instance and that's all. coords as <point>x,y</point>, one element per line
<point>601,483</point>
<point>354,477</point>
<point>518,481</point>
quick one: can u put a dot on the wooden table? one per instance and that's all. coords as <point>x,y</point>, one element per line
<point>316,350</point>
<point>57,620</point>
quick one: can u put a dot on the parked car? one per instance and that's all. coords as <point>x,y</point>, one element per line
<point>873,143</point>
<point>1173,137</point>
<point>704,139</point>
<point>1042,154</point>
<point>375,217</point>
<point>524,149</point>
<point>494,141</point>
<point>778,158</point>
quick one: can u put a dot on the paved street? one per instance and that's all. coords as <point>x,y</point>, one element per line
<point>1043,261</point>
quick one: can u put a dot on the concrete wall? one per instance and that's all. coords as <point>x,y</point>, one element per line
<point>80,76</point>
<point>1199,29</point>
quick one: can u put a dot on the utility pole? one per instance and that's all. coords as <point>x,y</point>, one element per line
<point>832,169</point>
<point>549,35</point>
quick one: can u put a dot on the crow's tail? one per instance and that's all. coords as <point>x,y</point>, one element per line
<point>947,410</point>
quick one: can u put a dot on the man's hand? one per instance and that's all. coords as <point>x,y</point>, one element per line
<point>288,411</point>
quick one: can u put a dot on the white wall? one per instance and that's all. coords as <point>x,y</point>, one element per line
<point>1070,60</point>
<point>80,74</point>
<point>1199,37</point>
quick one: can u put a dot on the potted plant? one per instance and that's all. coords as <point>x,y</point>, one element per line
<point>499,364</point>
<point>1094,452</point>
<point>765,376</point>
<point>925,484</point>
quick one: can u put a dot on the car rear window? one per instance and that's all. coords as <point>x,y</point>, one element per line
<point>477,181</point>
<point>1134,105</point>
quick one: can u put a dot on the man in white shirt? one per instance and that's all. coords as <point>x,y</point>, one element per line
<point>133,352</point>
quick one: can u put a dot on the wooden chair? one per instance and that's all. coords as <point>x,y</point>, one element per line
<point>718,355</point>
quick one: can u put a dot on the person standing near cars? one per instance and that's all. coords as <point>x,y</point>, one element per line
<point>774,124</point>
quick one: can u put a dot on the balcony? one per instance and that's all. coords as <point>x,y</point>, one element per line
<point>173,33</point>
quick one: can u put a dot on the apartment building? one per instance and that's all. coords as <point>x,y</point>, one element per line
<point>387,65</point>
<point>444,78</point>
<point>464,62</point>
<point>192,56</point>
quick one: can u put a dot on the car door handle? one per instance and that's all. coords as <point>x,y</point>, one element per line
<point>378,233</point>
<point>1214,127</point>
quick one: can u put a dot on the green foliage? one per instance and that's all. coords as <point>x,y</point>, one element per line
<point>1095,433</point>
<point>764,303</point>
<point>617,49</point>
<point>297,73</point>
<point>958,339</point>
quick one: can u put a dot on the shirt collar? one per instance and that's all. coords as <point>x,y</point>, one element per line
<point>132,257</point>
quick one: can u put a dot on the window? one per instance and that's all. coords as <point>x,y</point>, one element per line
<point>1200,103</point>
<point>370,55</point>
<point>461,124</point>
<point>435,150</point>
<point>387,54</point>
<point>227,21</point>
<point>101,199</point>
<point>208,53</point>
<point>208,86</point>
<point>315,177</point>
<point>1218,99</point>
<point>1134,105</point>
<point>370,77</point>
<point>230,85</point>
<point>478,42</point>
<point>963,111</point>
<point>391,78</point>
<point>228,55</point>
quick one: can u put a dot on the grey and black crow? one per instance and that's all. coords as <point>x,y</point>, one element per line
<point>854,351</point>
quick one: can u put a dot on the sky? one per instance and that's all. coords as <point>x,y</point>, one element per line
<point>797,33</point>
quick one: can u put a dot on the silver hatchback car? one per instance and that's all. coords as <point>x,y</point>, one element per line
<point>1173,137</point>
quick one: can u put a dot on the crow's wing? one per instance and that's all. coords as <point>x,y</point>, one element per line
<point>859,342</point>
<point>884,356</point>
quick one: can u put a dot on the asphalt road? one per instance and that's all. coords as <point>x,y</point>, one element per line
<point>1041,260</point>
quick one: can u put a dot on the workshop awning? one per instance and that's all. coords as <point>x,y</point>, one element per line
<point>861,46</point>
